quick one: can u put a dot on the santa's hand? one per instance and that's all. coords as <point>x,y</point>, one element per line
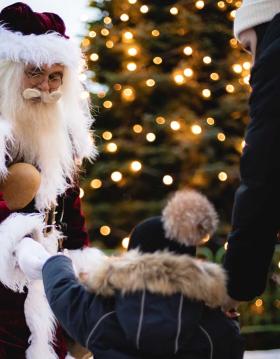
<point>31,257</point>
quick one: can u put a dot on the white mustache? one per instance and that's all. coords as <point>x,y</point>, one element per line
<point>46,97</point>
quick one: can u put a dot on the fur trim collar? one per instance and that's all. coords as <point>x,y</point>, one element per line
<point>160,272</point>
<point>49,48</point>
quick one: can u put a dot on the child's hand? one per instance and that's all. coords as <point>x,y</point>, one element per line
<point>230,308</point>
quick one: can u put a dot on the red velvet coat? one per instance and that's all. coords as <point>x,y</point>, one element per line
<point>14,332</point>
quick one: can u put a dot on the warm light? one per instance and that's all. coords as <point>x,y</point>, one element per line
<point>155,33</point>
<point>210,121</point>
<point>243,143</point>
<point>128,35</point>
<point>128,94</point>
<point>105,32</point>
<point>221,136</point>
<point>230,88</point>
<point>179,79</point>
<point>124,17</point>
<point>94,57</point>
<point>95,183</point>
<point>157,60</point>
<point>150,82</point>
<point>109,44</point>
<point>221,4</point>
<point>205,239</point>
<point>131,66</point>
<point>84,95</point>
<point>214,76</point>
<point>246,65</point>
<point>116,176</point>
<point>233,14</point>
<point>132,51</point>
<point>160,120</point>
<point>117,87</point>
<point>188,72</point>
<point>150,137</point>
<point>107,20</point>
<point>175,125</point>
<point>233,43</point>
<point>92,34</point>
<point>105,230</point>
<point>125,242</point>
<point>237,68</point>
<point>107,135</point>
<point>82,193</point>
<point>112,147</point>
<point>226,246</point>
<point>206,93</point>
<point>167,180</point>
<point>247,79</point>
<point>137,128</point>
<point>199,4</point>
<point>238,3</point>
<point>107,104</point>
<point>207,60</point>
<point>132,1</point>
<point>101,94</point>
<point>144,9</point>
<point>174,11</point>
<point>85,42</point>
<point>135,166</point>
<point>188,50</point>
<point>222,176</point>
<point>196,129</point>
<point>258,303</point>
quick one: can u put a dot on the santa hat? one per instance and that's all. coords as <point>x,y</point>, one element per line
<point>253,13</point>
<point>38,38</point>
<point>186,221</point>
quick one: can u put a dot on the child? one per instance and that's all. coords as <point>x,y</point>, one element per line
<point>155,301</point>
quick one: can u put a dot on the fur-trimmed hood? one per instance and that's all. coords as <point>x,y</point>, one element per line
<point>161,272</point>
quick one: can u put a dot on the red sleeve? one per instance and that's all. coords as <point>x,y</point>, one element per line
<point>4,210</point>
<point>74,220</point>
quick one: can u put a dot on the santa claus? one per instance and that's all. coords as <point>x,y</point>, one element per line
<point>44,137</point>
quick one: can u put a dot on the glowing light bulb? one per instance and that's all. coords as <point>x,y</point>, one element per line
<point>124,17</point>
<point>221,136</point>
<point>82,193</point>
<point>150,82</point>
<point>127,36</point>
<point>175,125</point>
<point>188,50</point>
<point>237,68</point>
<point>196,129</point>
<point>246,65</point>
<point>150,137</point>
<point>222,176</point>
<point>210,121</point>
<point>137,128</point>
<point>128,94</point>
<point>105,32</point>
<point>107,20</point>
<point>94,57</point>
<point>125,242</point>
<point>107,104</point>
<point>167,180</point>
<point>132,51</point>
<point>144,9</point>
<point>109,44</point>
<point>92,34</point>
<point>131,66</point>
<point>132,1</point>
<point>105,230</point>
<point>214,76</point>
<point>116,176</point>
<point>135,166</point>
<point>188,72</point>
<point>112,147</point>
<point>96,183</point>
<point>160,120</point>
<point>230,88</point>
<point>199,4</point>
<point>155,33</point>
<point>207,60</point>
<point>179,79</point>
<point>157,60</point>
<point>174,10</point>
<point>206,93</point>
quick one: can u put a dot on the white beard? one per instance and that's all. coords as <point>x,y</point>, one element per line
<point>40,137</point>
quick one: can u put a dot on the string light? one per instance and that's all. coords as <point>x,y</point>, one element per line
<point>188,72</point>
<point>150,137</point>
<point>175,125</point>
<point>144,9</point>
<point>96,183</point>
<point>237,68</point>
<point>137,128</point>
<point>135,166</point>
<point>233,43</point>
<point>222,176</point>
<point>111,147</point>
<point>167,180</point>
<point>233,14</point>
<point>107,135</point>
<point>85,42</point>
<point>125,242</point>
<point>132,51</point>
<point>258,303</point>
<point>107,104</point>
<point>247,79</point>
<point>155,33</point>
<point>157,60</point>
<point>132,1</point>
<point>128,94</point>
<point>214,76</point>
<point>117,87</point>
<point>221,5</point>
<point>105,32</point>
<point>131,66</point>
<point>107,20</point>
<point>127,36</point>
<point>124,17</point>
<point>196,129</point>
<point>179,79</point>
<point>188,50</point>
<point>101,94</point>
<point>246,65</point>
<point>92,34</point>
<point>160,120</point>
<point>206,93</point>
<point>199,4</point>
<point>150,82</point>
<point>221,136</point>
<point>226,246</point>
<point>174,10</point>
<point>109,44</point>
<point>116,176</point>
<point>82,193</point>
<point>207,60</point>
<point>94,57</point>
<point>210,121</point>
<point>230,88</point>
<point>105,230</point>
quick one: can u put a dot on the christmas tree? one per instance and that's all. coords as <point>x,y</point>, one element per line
<point>171,111</point>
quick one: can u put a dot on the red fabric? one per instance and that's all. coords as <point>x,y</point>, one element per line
<point>20,17</point>
<point>14,332</point>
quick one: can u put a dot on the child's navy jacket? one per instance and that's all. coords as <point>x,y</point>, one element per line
<point>147,306</point>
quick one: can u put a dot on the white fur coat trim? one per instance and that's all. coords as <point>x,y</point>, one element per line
<point>49,49</point>
<point>5,134</point>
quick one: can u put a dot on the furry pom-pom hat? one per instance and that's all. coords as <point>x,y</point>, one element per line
<point>186,221</point>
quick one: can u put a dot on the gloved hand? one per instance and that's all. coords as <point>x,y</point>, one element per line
<point>31,257</point>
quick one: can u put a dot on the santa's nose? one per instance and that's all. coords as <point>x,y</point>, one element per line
<point>44,85</point>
